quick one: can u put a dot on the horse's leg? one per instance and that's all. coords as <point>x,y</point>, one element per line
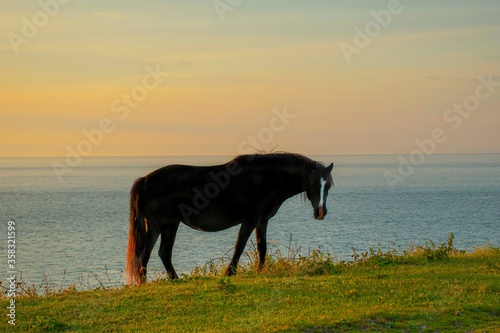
<point>151,238</point>
<point>243,235</point>
<point>168,232</point>
<point>260,236</point>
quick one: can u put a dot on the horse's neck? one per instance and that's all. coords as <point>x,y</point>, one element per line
<point>288,175</point>
<point>292,181</point>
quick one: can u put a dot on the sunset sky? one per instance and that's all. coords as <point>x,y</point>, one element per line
<point>233,69</point>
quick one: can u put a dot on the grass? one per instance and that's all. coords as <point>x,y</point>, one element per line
<point>423,289</point>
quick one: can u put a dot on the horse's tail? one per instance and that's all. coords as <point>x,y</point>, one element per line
<point>137,235</point>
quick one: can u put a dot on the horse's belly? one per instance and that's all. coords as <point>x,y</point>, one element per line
<point>212,221</point>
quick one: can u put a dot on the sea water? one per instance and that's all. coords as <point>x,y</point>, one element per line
<point>73,228</point>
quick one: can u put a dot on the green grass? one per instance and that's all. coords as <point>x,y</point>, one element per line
<point>425,289</point>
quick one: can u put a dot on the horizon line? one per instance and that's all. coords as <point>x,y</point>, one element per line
<point>231,155</point>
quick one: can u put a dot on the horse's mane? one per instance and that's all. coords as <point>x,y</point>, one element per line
<point>305,160</point>
<point>279,156</point>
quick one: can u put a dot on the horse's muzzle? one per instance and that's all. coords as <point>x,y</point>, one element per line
<point>320,214</point>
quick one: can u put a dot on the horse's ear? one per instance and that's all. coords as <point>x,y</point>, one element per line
<point>329,168</point>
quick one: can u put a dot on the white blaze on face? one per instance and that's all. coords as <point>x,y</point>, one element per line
<point>322,193</point>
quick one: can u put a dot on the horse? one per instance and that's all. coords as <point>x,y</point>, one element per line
<point>248,190</point>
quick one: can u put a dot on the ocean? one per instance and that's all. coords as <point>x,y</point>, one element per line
<point>72,228</point>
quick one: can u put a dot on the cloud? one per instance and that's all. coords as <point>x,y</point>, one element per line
<point>107,15</point>
<point>436,78</point>
<point>43,69</point>
<point>495,78</point>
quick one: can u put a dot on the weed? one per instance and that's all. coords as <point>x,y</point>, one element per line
<point>281,260</point>
<point>225,284</point>
<point>44,324</point>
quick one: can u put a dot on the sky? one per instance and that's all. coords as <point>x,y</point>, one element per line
<point>225,77</point>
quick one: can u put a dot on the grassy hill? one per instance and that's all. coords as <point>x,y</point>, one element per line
<point>425,289</point>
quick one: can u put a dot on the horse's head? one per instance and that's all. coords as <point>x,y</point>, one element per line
<point>319,182</point>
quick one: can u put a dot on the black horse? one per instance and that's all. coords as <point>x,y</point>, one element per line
<point>248,190</point>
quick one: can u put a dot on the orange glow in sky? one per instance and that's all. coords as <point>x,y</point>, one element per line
<point>172,78</point>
